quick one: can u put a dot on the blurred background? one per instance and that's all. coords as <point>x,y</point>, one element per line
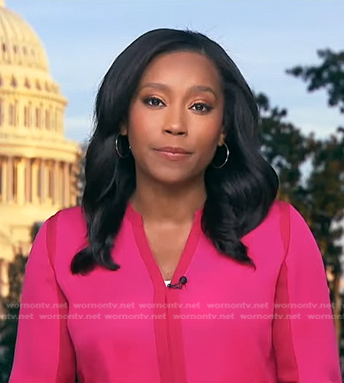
<point>53,55</point>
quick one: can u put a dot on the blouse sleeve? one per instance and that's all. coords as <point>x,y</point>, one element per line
<point>304,337</point>
<point>43,350</point>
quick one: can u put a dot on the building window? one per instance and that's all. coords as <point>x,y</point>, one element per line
<point>11,115</point>
<point>30,114</point>
<point>14,82</point>
<point>16,114</point>
<point>1,186</point>
<point>47,119</point>
<point>38,117</point>
<point>26,116</point>
<point>56,119</point>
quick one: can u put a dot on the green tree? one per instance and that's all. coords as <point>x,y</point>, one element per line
<point>326,182</point>
<point>286,148</point>
<point>80,172</point>
<point>8,325</point>
<point>11,303</point>
<point>328,75</point>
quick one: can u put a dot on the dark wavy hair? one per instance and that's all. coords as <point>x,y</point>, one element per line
<point>239,195</point>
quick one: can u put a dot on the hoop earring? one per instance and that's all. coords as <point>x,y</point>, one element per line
<point>119,154</point>
<point>227,156</point>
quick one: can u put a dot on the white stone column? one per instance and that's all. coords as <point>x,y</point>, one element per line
<point>46,180</point>
<point>50,181</point>
<point>42,181</point>
<point>4,283</point>
<point>28,180</point>
<point>70,180</point>
<point>61,183</point>
<point>66,180</point>
<point>4,175</point>
<point>1,180</point>
<point>10,179</point>
<point>34,181</point>
<point>56,187</point>
<point>72,184</point>
<point>15,180</point>
<point>21,181</point>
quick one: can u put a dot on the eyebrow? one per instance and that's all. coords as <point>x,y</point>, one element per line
<point>194,88</point>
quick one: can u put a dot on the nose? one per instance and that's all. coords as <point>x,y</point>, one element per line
<point>175,122</point>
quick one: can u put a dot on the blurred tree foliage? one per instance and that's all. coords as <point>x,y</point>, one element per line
<point>327,179</point>
<point>317,191</point>
<point>318,195</point>
<point>328,75</point>
<point>80,179</point>
<point>10,308</point>
<point>8,325</point>
<point>325,186</point>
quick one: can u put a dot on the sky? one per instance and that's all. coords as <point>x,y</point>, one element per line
<point>263,37</point>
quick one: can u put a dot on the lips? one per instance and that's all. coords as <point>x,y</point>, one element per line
<point>173,150</point>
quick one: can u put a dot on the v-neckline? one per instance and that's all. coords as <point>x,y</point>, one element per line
<point>145,250</point>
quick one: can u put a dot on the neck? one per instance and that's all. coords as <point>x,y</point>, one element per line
<point>165,203</point>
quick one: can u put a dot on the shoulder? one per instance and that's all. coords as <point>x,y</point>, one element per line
<point>73,213</point>
<point>69,219</point>
<point>284,216</point>
<point>289,214</point>
<point>285,210</point>
<point>277,210</point>
<point>295,230</point>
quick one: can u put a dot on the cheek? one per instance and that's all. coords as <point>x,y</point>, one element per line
<point>207,148</point>
<point>137,127</point>
<point>208,135</point>
<point>141,133</point>
<point>142,123</point>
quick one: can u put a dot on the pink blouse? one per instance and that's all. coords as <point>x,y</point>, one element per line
<point>227,324</point>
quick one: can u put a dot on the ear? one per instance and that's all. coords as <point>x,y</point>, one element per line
<point>221,139</point>
<point>124,130</point>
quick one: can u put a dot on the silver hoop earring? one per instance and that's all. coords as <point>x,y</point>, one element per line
<point>119,154</point>
<point>227,156</point>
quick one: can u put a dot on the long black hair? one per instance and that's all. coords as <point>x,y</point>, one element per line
<point>239,195</point>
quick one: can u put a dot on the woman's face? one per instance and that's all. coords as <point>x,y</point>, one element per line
<point>179,103</point>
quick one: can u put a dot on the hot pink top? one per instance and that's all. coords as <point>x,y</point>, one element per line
<point>227,324</point>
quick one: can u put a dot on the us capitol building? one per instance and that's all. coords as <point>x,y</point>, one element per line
<point>37,163</point>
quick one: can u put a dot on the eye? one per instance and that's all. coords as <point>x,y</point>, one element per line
<point>153,101</point>
<point>201,107</point>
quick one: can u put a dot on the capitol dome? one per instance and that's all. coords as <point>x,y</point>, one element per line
<point>20,45</point>
<point>35,105</point>
<point>38,165</point>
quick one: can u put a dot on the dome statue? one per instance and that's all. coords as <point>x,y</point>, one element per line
<point>38,165</point>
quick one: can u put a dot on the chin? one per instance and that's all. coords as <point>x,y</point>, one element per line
<point>171,177</point>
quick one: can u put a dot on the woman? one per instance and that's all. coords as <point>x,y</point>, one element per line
<point>180,265</point>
